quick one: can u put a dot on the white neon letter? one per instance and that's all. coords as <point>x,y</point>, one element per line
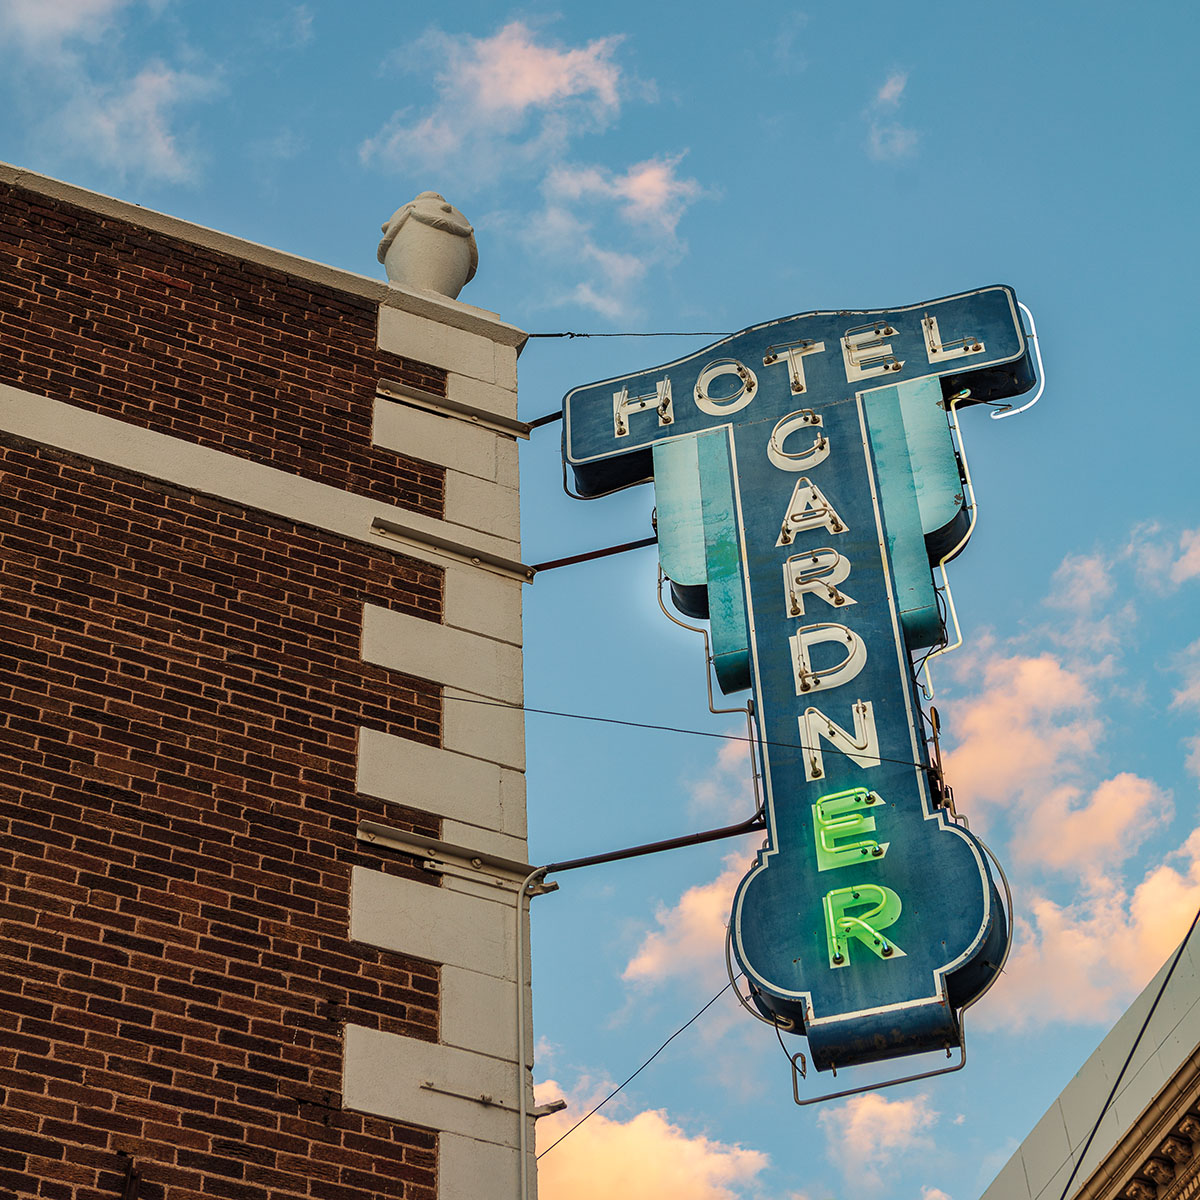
<point>867,354</point>
<point>724,405</point>
<point>807,636</point>
<point>808,509</point>
<point>817,572</point>
<point>801,460</point>
<point>861,748</point>
<point>624,404</point>
<point>794,353</point>
<point>938,351</point>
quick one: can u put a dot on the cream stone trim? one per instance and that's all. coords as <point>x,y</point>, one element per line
<point>439,924</point>
<point>430,1084</point>
<point>212,472</point>
<point>479,665</point>
<point>446,406</point>
<point>457,787</point>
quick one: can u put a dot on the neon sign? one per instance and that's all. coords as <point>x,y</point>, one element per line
<point>805,478</point>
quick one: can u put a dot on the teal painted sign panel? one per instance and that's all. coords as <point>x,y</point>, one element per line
<point>819,453</point>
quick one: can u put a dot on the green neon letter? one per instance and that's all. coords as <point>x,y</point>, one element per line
<point>883,909</point>
<point>839,817</point>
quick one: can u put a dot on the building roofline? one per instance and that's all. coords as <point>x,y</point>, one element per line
<point>417,301</point>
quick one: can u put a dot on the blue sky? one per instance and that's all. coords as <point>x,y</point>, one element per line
<point>676,167</point>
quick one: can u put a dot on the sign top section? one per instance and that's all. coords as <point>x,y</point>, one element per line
<point>973,340</point>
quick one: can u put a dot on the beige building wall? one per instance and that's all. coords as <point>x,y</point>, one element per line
<point>1147,1143</point>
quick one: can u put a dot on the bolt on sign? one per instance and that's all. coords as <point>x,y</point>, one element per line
<point>805,478</point>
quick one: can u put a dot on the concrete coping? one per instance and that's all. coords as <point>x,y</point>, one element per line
<point>417,301</point>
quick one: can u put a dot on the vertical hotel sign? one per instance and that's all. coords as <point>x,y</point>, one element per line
<point>805,478</point>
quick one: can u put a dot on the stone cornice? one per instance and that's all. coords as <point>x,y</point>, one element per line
<point>1159,1156</point>
<point>413,300</point>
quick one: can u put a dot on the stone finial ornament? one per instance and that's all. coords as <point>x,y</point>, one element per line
<point>429,244</point>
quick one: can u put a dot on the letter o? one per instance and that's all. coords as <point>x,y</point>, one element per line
<point>726,404</point>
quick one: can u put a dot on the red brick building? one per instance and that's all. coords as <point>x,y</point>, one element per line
<point>259,561</point>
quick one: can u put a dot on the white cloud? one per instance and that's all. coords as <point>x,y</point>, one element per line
<point>84,100</point>
<point>869,1132</point>
<point>300,25</point>
<point>499,102</point>
<point>1081,582</point>
<point>42,26</point>
<point>288,30</point>
<point>1188,695</point>
<point>893,87</point>
<point>887,143</point>
<point>511,106</point>
<point>932,1193</point>
<point>646,1157</point>
<point>127,126</point>
<point>651,195</point>
<point>562,236</point>
<point>726,791</point>
<point>610,277</point>
<point>784,38</point>
<point>1164,561</point>
<point>887,139</point>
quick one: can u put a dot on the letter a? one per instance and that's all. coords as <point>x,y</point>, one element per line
<point>808,509</point>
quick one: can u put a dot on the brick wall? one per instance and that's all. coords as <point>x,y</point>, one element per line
<point>164,334</point>
<point>180,687</point>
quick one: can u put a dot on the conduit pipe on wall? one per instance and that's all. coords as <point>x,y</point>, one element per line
<point>534,884</point>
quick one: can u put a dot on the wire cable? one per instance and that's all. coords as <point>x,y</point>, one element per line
<point>694,333</point>
<point>638,1071</point>
<point>1129,1057</point>
<point>727,737</point>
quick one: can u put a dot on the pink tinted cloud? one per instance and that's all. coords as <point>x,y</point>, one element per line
<point>1188,694</point>
<point>1028,726</point>
<point>1163,561</point>
<point>878,1130</point>
<point>1187,565</point>
<point>646,1157</point>
<point>1083,961</point>
<point>1107,827</point>
<point>500,103</point>
<point>690,939</point>
<point>1192,762</point>
<point>651,194</point>
<point>1081,582</point>
<point>512,71</point>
